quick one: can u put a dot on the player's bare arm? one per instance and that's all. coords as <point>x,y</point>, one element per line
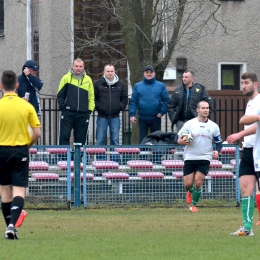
<point>237,136</point>
<point>249,119</point>
<point>36,133</point>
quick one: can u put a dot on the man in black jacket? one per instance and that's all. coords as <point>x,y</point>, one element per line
<point>184,100</point>
<point>110,98</point>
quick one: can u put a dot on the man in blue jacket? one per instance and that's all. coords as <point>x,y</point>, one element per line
<point>30,83</point>
<point>150,97</point>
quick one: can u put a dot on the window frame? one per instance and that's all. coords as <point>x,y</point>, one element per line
<point>2,18</point>
<point>243,69</point>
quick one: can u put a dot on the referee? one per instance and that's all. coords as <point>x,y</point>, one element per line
<point>15,116</point>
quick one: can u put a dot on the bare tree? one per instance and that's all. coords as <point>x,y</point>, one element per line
<point>152,29</point>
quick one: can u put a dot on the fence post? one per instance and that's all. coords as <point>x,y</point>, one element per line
<point>77,175</point>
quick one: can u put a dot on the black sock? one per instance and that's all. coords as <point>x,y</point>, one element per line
<point>16,209</point>
<point>6,210</point>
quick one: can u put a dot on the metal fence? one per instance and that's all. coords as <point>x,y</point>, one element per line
<point>125,175</point>
<point>226,113</point>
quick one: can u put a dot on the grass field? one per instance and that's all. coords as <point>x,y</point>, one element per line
<point>139,233</point>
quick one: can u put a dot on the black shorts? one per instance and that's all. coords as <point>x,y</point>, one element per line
<point>14,165</point>
<point>191,166</point>
<point>246,166</point>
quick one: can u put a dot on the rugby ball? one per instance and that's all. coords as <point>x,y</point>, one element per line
<point>187,135</point>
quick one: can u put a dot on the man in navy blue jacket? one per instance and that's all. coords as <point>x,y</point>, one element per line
<point>150,97</point>
<point>30,83</point>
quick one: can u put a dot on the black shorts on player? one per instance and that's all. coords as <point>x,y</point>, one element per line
<point>246,166</point>
<point>14,165</point>
<point>191,166</point>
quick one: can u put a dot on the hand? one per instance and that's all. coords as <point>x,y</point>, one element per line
<point>215,155</point>
<point>25,98</point>
<point>183,141</point>
<point>133,119</point>
<point>159,115</point>
<point>26,71</point>
<point>233,138</point>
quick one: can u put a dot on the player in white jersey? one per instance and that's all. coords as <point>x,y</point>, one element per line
<point>247,173</point>
<point>199,152</point>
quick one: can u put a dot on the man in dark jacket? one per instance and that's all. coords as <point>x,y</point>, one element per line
<point>184,100</point>
<point>110,98</point>
<point>30,83</point>
<point>150,97</point>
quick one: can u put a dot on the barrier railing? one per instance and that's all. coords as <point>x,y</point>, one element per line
<point>95,176</point>
<point>226,113</point>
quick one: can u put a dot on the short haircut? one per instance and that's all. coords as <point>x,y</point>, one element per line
<point>109,65</point>
<point>9,80</point>
<point>203,101</point>
<point>250,75</point>
<point>78,60</point>
<point>190,71</point>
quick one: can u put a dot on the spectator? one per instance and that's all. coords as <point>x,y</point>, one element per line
<point>247,171</point>
<point>15,116</point>
<point>183,104</point>
<point>30,83</point>
<point>198,153</point>
<point>150,97</point>
<point>110,98</point>
<point>76,102</point>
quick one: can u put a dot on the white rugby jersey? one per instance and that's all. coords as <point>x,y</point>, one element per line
<point>252,108</point>
<point>204,134</point>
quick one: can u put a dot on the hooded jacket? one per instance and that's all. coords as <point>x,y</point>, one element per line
<point>179,108</point>
<point>76,93</point>
<point>150,97</point>
<point>29,84</point>
<point>110,99</point>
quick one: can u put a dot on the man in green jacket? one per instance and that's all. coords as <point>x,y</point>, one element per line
<point>76,102</point>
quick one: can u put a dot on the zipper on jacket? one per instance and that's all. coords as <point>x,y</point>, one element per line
<point>109,92</point>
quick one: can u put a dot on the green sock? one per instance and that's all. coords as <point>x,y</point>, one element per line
<point>195,196</point>
<point>191,188</point>
<point>247,211</point>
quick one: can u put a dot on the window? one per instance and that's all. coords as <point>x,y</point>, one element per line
<point>229,75</point>
<point>1,18</point>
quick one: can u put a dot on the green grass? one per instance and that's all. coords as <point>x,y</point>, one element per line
<point>139,233</point>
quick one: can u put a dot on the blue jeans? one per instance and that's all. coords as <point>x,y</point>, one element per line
<point>146,124</point>
<point>114,127</point>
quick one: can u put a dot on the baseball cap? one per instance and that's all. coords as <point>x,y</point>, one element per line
<point>31,64</point>
<point>149,67</point>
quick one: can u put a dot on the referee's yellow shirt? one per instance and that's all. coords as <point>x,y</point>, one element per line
<point>15,115</point>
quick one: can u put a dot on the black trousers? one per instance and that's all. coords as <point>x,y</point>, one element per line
<point>78,121</point>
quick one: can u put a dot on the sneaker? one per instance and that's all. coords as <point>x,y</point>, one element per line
<point>21,218</point>
<point>242,232</point>
<point>11,233</point>
<point>188,197</point>
<point>193,209</point>
<point>258,223</point>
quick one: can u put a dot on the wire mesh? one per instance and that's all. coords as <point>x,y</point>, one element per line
<point>148,175</point>
<point>48,177</point>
